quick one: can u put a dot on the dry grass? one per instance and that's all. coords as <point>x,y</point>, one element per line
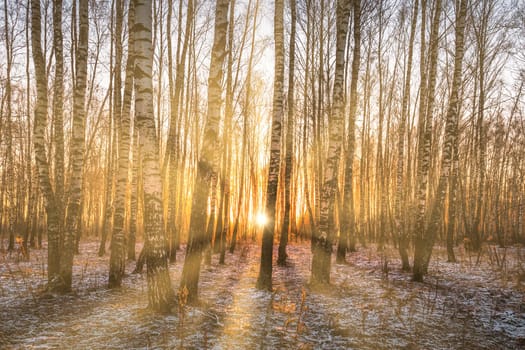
<point>478,303</point>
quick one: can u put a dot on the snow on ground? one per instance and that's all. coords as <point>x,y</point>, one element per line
<point>460,306</point>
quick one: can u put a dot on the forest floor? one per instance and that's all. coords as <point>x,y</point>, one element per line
<point>467,305</point>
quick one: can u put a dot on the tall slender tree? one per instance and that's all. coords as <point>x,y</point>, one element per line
<point>244,143</point>
<point>122,115</point>
<point>348,215</point>
<point>77,146</point>
<point>208,158</point>
<point>264,281</point>
<point>9,171</point>
<point>110,149</point>
<point>451,134</point>
<point>223,224</point>
<point>425,135</point>
<point>126,118</point>
<point>400,189</point>
<point>323,237</point>
<point>41,105</point>
<point>281,259</point>
<point>58,110</point>
<point>176,87</point>
<point>160,292</point>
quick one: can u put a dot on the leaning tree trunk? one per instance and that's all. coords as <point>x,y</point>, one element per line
<point>264,281</point>
<point>73,226</point>
<point>209,157</point>
<point>160,292</point>
<point>323,237</point>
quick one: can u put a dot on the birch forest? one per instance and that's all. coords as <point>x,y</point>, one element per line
<point>258,174</point>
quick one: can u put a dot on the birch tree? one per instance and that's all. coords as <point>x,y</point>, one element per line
<point>207,167</point>
<point>41,105</point>
<point>400,198</point>
<point>323,237</point>
<point>264,281</point>
<point>289,138</point>
<point>122,115</point>
<point>425,134</point>
<point>451,134</point>
<point>77,147</point>
<point>160,292</point>
<point>348,215</point>
<point>8,181</point>
<point>58,109</point>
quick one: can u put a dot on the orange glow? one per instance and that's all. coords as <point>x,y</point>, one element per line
<point>261,219</point>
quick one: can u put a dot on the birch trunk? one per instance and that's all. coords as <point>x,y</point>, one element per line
<point>58,110</point>
<point>347,236</point>
<point>160,292</point>
<point>208,158</point>
<point>400,197</point>
<point>424,149</point>
<point>122,115</point>
<point>451,134</point>
<point>264,281</point>
<point>41,105</point>
<point>73,226</point>
<point>323,237</point>
<point>281,260</point>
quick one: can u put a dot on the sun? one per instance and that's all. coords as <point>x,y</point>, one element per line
<point>261,219</point>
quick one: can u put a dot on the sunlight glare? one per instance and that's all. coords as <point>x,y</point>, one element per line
<point>261,219</point>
